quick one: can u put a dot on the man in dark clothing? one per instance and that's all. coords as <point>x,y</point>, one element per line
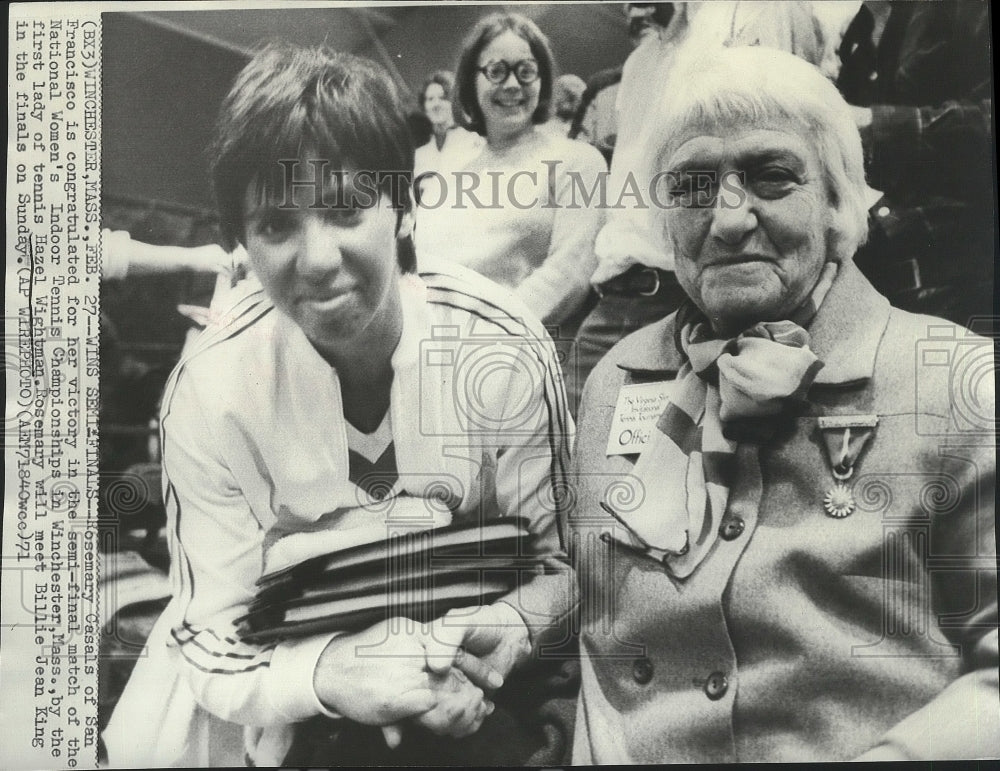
<point>920,77</point>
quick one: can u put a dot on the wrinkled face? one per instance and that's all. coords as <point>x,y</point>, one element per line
<point>750,220</point>
<point>437,106</point>
<point>333,270</point>
<point>508,106</point>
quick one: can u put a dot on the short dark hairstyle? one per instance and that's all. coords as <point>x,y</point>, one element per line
<point>421,129</point>
<point>443,78</point>
<point>485,32</point>
<point>291,98</point>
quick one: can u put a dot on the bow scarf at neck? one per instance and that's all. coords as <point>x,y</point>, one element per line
<point>724,386</point>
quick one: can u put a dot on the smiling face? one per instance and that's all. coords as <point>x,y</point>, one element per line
<point>437,106</point>
<point>332,270</point>
<point>507,107</point>
<point>755,250</point>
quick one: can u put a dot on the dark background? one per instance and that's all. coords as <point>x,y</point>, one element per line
<point>165,73</point>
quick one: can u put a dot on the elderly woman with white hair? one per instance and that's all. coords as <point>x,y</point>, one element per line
<point>784,520</point>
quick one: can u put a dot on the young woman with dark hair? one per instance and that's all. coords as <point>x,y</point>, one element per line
<point>520,213</point>
<point>305,415</point>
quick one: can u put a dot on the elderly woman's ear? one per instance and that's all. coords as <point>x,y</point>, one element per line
<point>840,246</point>
<point>847,233</point>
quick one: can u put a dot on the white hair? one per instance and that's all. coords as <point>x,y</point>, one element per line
<point>757,86</point>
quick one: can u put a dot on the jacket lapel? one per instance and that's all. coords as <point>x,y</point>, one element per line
<point>848,329</point>
<point>651,352</point>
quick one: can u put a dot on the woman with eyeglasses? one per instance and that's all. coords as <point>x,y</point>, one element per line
<point>519,213</point>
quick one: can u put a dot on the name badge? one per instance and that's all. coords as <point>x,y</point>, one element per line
<point>639,407</point>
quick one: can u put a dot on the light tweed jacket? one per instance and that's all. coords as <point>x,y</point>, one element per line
<point>802,637</point>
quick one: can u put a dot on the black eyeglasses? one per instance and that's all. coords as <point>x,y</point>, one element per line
<point>526,71</point>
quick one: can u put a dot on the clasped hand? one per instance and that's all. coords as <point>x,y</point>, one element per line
<point>437,675</point>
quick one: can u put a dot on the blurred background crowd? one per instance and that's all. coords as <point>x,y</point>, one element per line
<point>917,74</point>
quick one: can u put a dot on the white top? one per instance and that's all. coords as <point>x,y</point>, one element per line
<point>256,446</point>
<point>459,149</point>
<point>626,238</point>
<point>521,217</point>
<point>115,248</point>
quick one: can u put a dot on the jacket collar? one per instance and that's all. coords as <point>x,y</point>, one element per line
<point>845,334</point>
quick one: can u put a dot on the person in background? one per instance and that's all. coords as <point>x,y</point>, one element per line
<point>920,79</point>
<point>566,94</point>
<point>295,418</point>
<point>635,277</point>
<point>450,147</point>
<point>796,561</point>
<point>833,17</point>
<point>525,224</point>
<point>123,256</point>
<point>420,127</point>
<point>596,119</point>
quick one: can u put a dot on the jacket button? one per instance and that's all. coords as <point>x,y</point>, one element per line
<point>731,529</point>
<point>716,686</point>
<point>642,670</point>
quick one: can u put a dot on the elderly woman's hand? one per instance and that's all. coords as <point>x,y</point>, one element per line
<point>485,642</point>
<point>378,676</point>
<point>461,707</point>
